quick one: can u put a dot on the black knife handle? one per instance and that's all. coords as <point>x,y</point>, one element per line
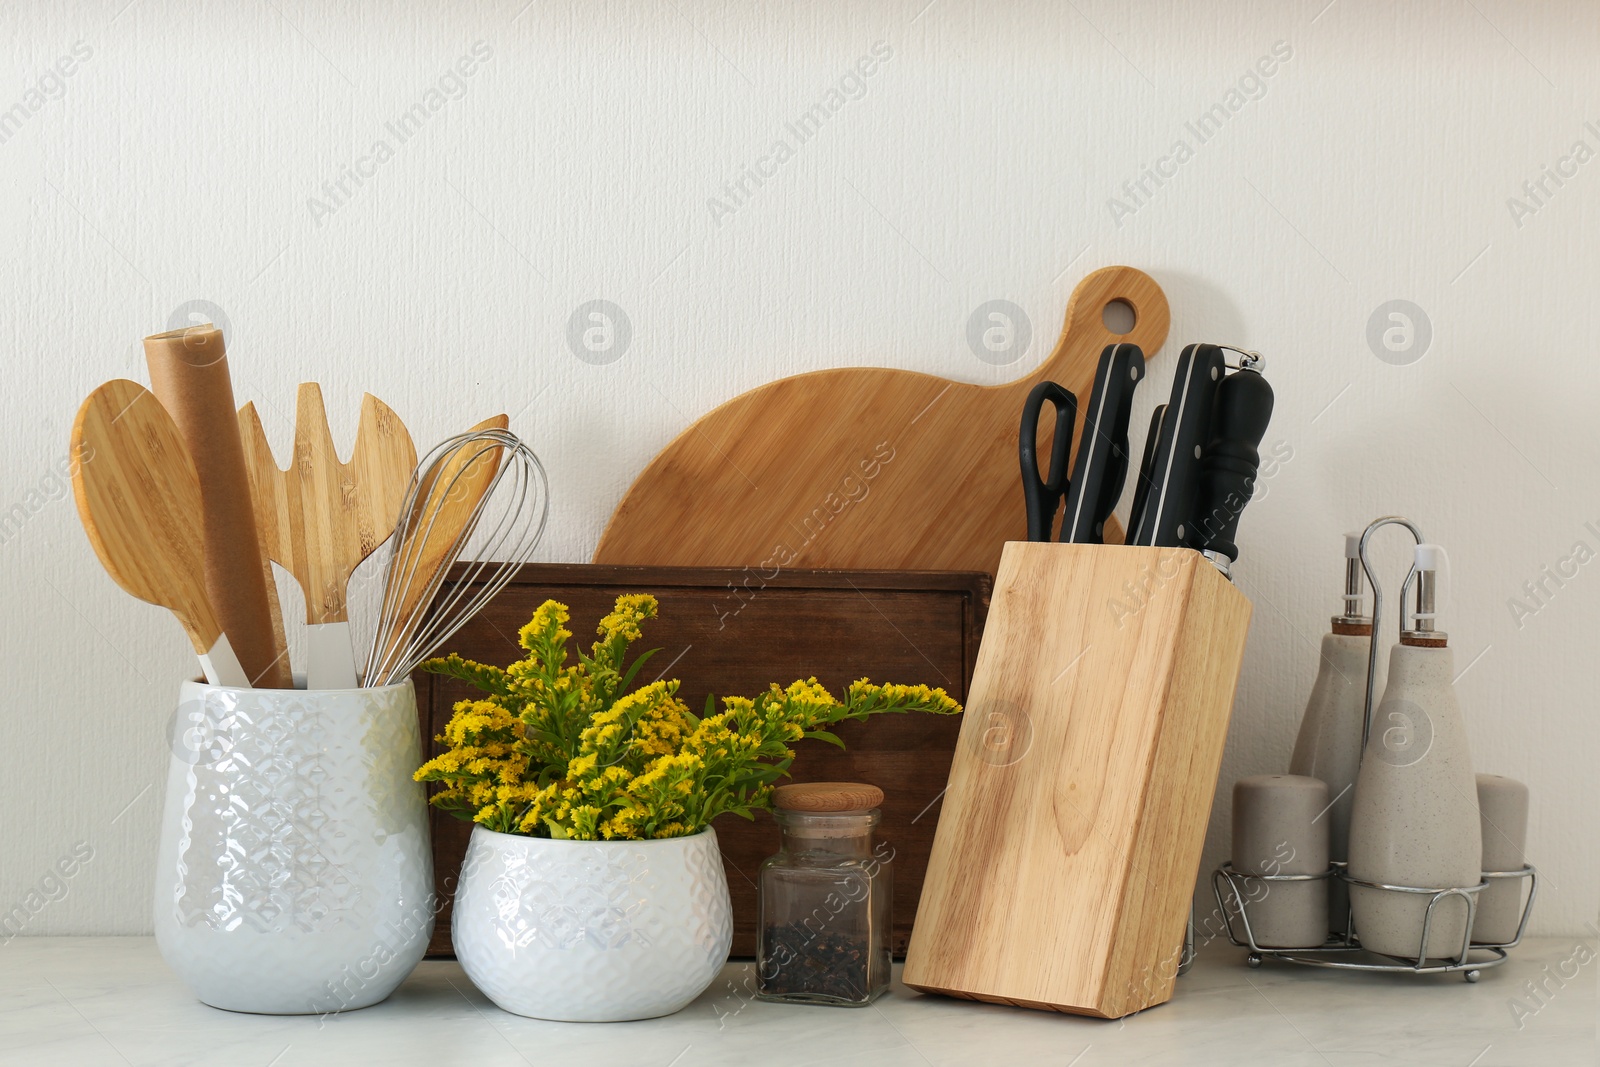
<point>1228,468</point>
<point>1141,490</point>
<point>1041,490</point>
<point>1184,433</point>
<point>1102,464</point>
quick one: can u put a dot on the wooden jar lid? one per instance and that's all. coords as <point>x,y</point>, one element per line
<point>827,796</point>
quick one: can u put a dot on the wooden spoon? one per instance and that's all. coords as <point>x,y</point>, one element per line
<point>320,518</point>
<point>444,508</point>
<point>139,498</point>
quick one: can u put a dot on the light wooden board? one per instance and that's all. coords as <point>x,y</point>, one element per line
<point>139,498</point>
<point>1071,831</point>
<point>864,467</point>
<point>320,518</point>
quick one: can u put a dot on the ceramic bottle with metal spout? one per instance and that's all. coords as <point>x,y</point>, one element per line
<point>1329,744</point>
<point>1414,821</point>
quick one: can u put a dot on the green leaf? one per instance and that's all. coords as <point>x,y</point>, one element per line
<point>633,671</point>
<point>824,735</point>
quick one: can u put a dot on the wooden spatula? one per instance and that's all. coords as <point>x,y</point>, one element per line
<point>139,498</point>
<point>320,518</point>
<point>446,503</point>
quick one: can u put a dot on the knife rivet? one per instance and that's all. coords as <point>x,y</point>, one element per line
<point>1181,534</point>
<point>1196,451</point>
<point>1214,373</point>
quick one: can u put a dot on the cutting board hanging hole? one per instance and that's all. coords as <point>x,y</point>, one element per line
<point>1119,317</point>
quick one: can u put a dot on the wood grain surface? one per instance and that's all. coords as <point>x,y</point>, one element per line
<point>139,498</point>
<point>865,467</point>
<point>320,518</point>
<point>1071,834</point>
<point>827,796</point>
<point>445,503</point>
<point>189,375</point>
<point>730,631</point>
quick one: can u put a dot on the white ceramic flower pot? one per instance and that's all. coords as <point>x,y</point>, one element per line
<point>592,931</point>
<point>295,875</point>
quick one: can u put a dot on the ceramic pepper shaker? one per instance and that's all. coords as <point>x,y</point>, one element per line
<point>1280,827</point>
<point>1503,815</point>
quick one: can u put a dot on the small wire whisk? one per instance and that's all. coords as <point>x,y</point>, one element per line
<point>485,487</point>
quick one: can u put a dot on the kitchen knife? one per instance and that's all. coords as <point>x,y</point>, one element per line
<point>1141,491</point>
<point>1184,431</point>
<point>1102,464</point>
<point>1229,464</point>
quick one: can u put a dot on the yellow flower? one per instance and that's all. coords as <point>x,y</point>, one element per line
<point>548,626</point>
<point>622,765</point>
<point>623,621</point>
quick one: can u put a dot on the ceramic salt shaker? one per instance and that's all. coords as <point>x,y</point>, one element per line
<point>1280,827</point>
<point>1329,744</point>
<point>1503,815</point>
<point>1415,818</point>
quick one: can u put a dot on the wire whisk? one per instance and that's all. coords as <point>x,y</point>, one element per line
<point>484,486</point>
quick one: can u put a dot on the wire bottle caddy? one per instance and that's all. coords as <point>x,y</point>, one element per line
<point>1232,890</point>
<point>1237,891</point>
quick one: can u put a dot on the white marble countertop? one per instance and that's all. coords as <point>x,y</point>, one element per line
<point>66,1002</point>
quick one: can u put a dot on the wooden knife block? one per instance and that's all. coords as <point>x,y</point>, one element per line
<point>1071,831</point>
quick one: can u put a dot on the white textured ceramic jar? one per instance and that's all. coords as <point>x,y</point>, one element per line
<point>295,875</point>
<point>592,931</point>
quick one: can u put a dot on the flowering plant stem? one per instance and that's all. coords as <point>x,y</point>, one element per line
<point>572,750</point>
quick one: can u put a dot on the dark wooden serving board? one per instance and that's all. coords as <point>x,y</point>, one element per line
<point>730,631</point>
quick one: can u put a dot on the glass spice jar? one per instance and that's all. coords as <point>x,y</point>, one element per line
<point>825,899</point>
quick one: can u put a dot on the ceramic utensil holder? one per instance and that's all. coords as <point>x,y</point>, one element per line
<point>294,874</point>
<point>1064,864</point>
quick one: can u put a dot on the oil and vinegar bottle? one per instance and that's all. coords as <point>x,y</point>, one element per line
<point>1414,820</point>
<point>1329,744</point>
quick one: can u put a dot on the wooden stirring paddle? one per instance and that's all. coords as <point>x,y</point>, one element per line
<point>320,518</point>
<point>139,498</point>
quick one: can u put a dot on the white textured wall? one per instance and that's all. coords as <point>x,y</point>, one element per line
<point>575,163</point>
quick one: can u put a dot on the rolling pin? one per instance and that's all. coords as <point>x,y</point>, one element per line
<point>189,375</point>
